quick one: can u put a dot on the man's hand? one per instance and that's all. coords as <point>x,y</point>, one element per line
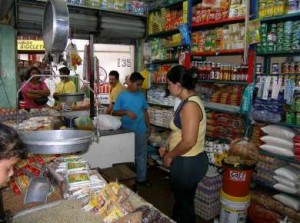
<point>131,115</point>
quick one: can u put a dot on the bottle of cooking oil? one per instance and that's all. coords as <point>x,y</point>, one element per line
<point>270,8</point>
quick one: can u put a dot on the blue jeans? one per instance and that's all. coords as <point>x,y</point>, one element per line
<point>140,156</point>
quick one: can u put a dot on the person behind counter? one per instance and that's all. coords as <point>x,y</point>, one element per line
<point>66,85</point>
<point>11,150</point>
<point>34,89</point>
<point>115,88</point>
<point>131,105</point>
<point>186,157</point>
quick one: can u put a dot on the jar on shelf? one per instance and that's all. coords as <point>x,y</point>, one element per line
<point>285,68</point>
<point>258,68</point>
<point>275,68</point>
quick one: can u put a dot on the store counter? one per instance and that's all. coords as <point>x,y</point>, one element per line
<point>114,146</point>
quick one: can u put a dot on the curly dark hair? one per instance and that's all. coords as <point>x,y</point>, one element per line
<point>27,75</point>
<point>10,143</point>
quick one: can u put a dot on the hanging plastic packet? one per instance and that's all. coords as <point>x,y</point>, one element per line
<point>260,86</point>
<point>247,99</point>
<point>276,88</point>
<point>73,57</point>
<point>289,91</point>
<point>184,32</point>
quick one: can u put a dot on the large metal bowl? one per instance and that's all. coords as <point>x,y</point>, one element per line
<point>56,26</point>
<point>71,97</point>
<point>57,141</point>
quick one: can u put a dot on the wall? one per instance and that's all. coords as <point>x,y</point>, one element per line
<point>8,83</point>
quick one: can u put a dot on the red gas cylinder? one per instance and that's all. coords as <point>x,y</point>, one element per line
<point>237,176</point>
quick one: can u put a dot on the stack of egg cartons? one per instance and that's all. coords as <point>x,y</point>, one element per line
<point>207,203</point>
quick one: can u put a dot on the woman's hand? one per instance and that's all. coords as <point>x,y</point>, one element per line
<point>162,151</point>
<point>167,160</point>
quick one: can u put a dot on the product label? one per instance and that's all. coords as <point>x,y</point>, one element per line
<point>237,175</point>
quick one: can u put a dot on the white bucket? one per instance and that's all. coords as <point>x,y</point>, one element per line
<point>233,211</point>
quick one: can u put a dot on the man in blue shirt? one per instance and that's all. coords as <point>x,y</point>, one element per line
<point>131,105</point>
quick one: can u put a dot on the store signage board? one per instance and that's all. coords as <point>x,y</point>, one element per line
<point>31,45</point>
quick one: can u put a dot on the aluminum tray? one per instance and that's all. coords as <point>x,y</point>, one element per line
<point>71,97</point>
<point>57,141</point>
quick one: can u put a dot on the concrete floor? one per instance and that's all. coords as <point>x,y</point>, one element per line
<point>160,195</point>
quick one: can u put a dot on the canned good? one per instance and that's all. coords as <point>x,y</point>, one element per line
<point>290,117</point>
<point>297,67</point>
<point>292,68</point>
<point>292,6</point>
<point>285,68</point>
<point>298,118</point>
<point>270,47</point>
<point>275,68</point>
<point>263,28</point>
<point>258,68</point>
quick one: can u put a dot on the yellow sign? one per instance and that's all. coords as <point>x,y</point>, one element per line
<point>31,45</point>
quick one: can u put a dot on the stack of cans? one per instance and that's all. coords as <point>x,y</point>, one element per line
<point>282,36</point>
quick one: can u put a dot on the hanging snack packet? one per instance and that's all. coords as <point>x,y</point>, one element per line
<point>184,32</point>
<point>73,57</point>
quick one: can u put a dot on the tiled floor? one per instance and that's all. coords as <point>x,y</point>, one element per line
<point>160,195</point>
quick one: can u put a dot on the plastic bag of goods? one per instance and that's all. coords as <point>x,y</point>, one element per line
<point>107,122</point>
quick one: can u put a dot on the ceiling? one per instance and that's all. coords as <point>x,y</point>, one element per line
<point>106,26</point>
